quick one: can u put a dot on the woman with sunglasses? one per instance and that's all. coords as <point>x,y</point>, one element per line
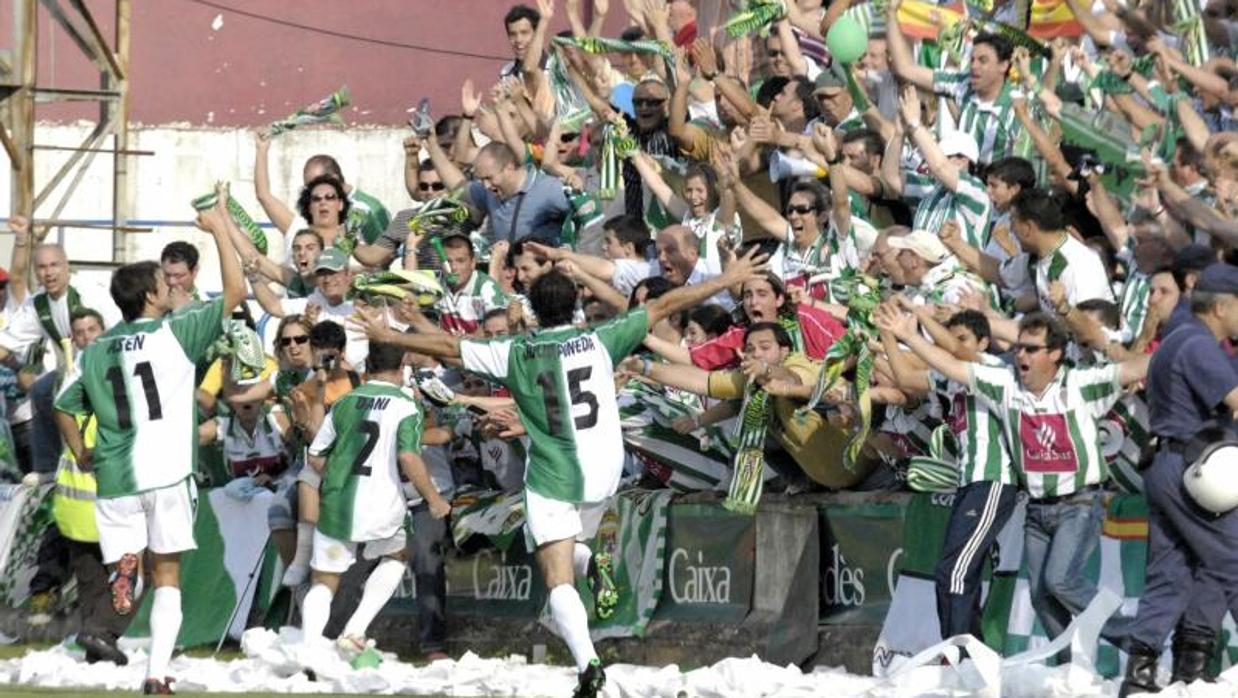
<point>806,250</point>
<point>324,204</point>
<point>702,208</point>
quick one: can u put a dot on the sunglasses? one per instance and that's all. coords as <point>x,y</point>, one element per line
<point>774,53</point>
<point>568,137</point>
<point>1030,349</point>
<point>647,102</point>
<point>802,210</point>
<point>431,186</point>
<point>325,197</point>
<point>289,341</point>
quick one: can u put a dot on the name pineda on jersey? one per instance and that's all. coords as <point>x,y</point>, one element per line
<point>575,345</point>
<point>132,342</point>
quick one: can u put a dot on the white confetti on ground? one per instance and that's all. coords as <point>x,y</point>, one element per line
<point>217,23</point>
<point>274,663</point>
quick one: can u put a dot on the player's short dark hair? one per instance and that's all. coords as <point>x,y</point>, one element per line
<point>974,321</point>
<point>1040,207</point>
<point>519,12</point>
<point>1056,336</point>
<point>303,200</point>
<point>328,164</point>
<point>180,251</point>
<point>780,333</point>
<point>1001,45</point>
<point>874,144</point>
<point>130,285</point>
<point>1013,171</point>
<point>553,297</point>
<point>1109,312</point>
<point>83,313</point>
<point>655,287</point>
<point>383,357</point>
<point>328,335</point>
<point>630,230</point>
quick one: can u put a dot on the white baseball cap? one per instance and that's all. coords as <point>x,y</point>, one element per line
<point>923,243</point>
<point>960,143</point>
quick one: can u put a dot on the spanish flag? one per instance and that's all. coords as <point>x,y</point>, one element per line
<point>1053,18</point>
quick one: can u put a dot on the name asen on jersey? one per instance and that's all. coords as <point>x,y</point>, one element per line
<point>129,343</point>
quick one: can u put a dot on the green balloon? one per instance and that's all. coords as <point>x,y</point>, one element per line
<point>846,40</point>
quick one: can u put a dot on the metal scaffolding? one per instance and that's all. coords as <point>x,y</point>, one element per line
<point>21,92</point>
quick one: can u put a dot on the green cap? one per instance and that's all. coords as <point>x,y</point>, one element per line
<point>331,259</point>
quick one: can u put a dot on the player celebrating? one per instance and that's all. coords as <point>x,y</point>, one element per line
<point>138,381</point>
<point>561,379</point>
<point>369,437</point>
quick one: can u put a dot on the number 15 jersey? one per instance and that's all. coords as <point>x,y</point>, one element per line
<point>138,381</point>
<point>562,380</point>
<point>362,437</point>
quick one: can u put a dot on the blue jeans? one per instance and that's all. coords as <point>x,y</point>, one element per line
<point>45,444</point>
<point>1058,540</point>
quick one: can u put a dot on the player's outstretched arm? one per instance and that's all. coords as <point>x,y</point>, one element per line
<point>415,470</point>
<point>215,222</point>
<point>374,325</point>
<point>739,271</point>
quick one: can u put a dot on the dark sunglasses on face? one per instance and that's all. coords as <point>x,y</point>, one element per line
<point>802,210</point>
<point>289,341</point>
<point>325,197</point>
<point>774,53</point>
<point>568,137</point>
<point>431,186</point>
<point>1030,349</point>
<point>647,102</point>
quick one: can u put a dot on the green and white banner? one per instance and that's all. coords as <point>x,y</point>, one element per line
<point>232,537</point>
<point>25,515</point>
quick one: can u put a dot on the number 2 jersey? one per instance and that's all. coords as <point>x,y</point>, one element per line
<point>138,381</point>
<point>362,437</point>
<point>562,380</point>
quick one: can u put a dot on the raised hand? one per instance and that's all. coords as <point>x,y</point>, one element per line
<point>909,106</point>
<point>371,321</point>
<point>824,140</point>
<point>706,59</point>
<point>752,264</point>
<point>470,98</point>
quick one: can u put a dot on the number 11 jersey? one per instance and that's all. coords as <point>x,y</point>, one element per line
<point>562,380</point>
<point>138,381</point>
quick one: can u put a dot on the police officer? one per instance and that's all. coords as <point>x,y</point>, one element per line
<point>1192,573</point>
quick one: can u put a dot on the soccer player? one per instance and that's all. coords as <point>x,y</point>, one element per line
<point>138,381</point>
<point>562,379</point>
<point>370,437</point>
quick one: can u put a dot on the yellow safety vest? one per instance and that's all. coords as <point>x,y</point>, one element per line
<point>73,503</point>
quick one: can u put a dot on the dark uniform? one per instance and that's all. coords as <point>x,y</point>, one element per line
<point>1192,569</point>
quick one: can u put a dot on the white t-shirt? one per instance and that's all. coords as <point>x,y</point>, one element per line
<point>358,346</point>
<point>630,272</point>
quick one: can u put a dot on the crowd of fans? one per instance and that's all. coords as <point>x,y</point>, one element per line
<point>1001,200</point>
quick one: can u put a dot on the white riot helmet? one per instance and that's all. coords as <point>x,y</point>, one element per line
<point>1212,480</point>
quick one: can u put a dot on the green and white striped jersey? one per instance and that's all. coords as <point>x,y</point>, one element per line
<point>1073,263</point>
<point>562,380</point>
<point>138,381</point>
<point>992,124</point>
<point>1134,293</point>
<point>362,437</point>
<point>969,206</point>
<point>367,216</point>
<point>984,454</point>
<point>1054,438</point>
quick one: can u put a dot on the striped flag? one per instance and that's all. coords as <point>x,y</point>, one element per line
<point>1053,18</point>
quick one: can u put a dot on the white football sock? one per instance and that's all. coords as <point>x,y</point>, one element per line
<point>573,622</point>
<point>315,612</point>
<point>378,590</point>
<point>165,626</point>
<point>581,555</point>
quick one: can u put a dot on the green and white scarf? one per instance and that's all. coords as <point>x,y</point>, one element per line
<point>757,15</point>
<point>863,296</point>
<point>398,284</point>
<point>324,110</point>
<point>747,482</point>
<point>244,347</point>
<point>617,145</point>
<point>239,215</point>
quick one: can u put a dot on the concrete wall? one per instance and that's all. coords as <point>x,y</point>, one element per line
<point>186,164</point>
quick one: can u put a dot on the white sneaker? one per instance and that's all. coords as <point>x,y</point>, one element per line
<point>296,575</point>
